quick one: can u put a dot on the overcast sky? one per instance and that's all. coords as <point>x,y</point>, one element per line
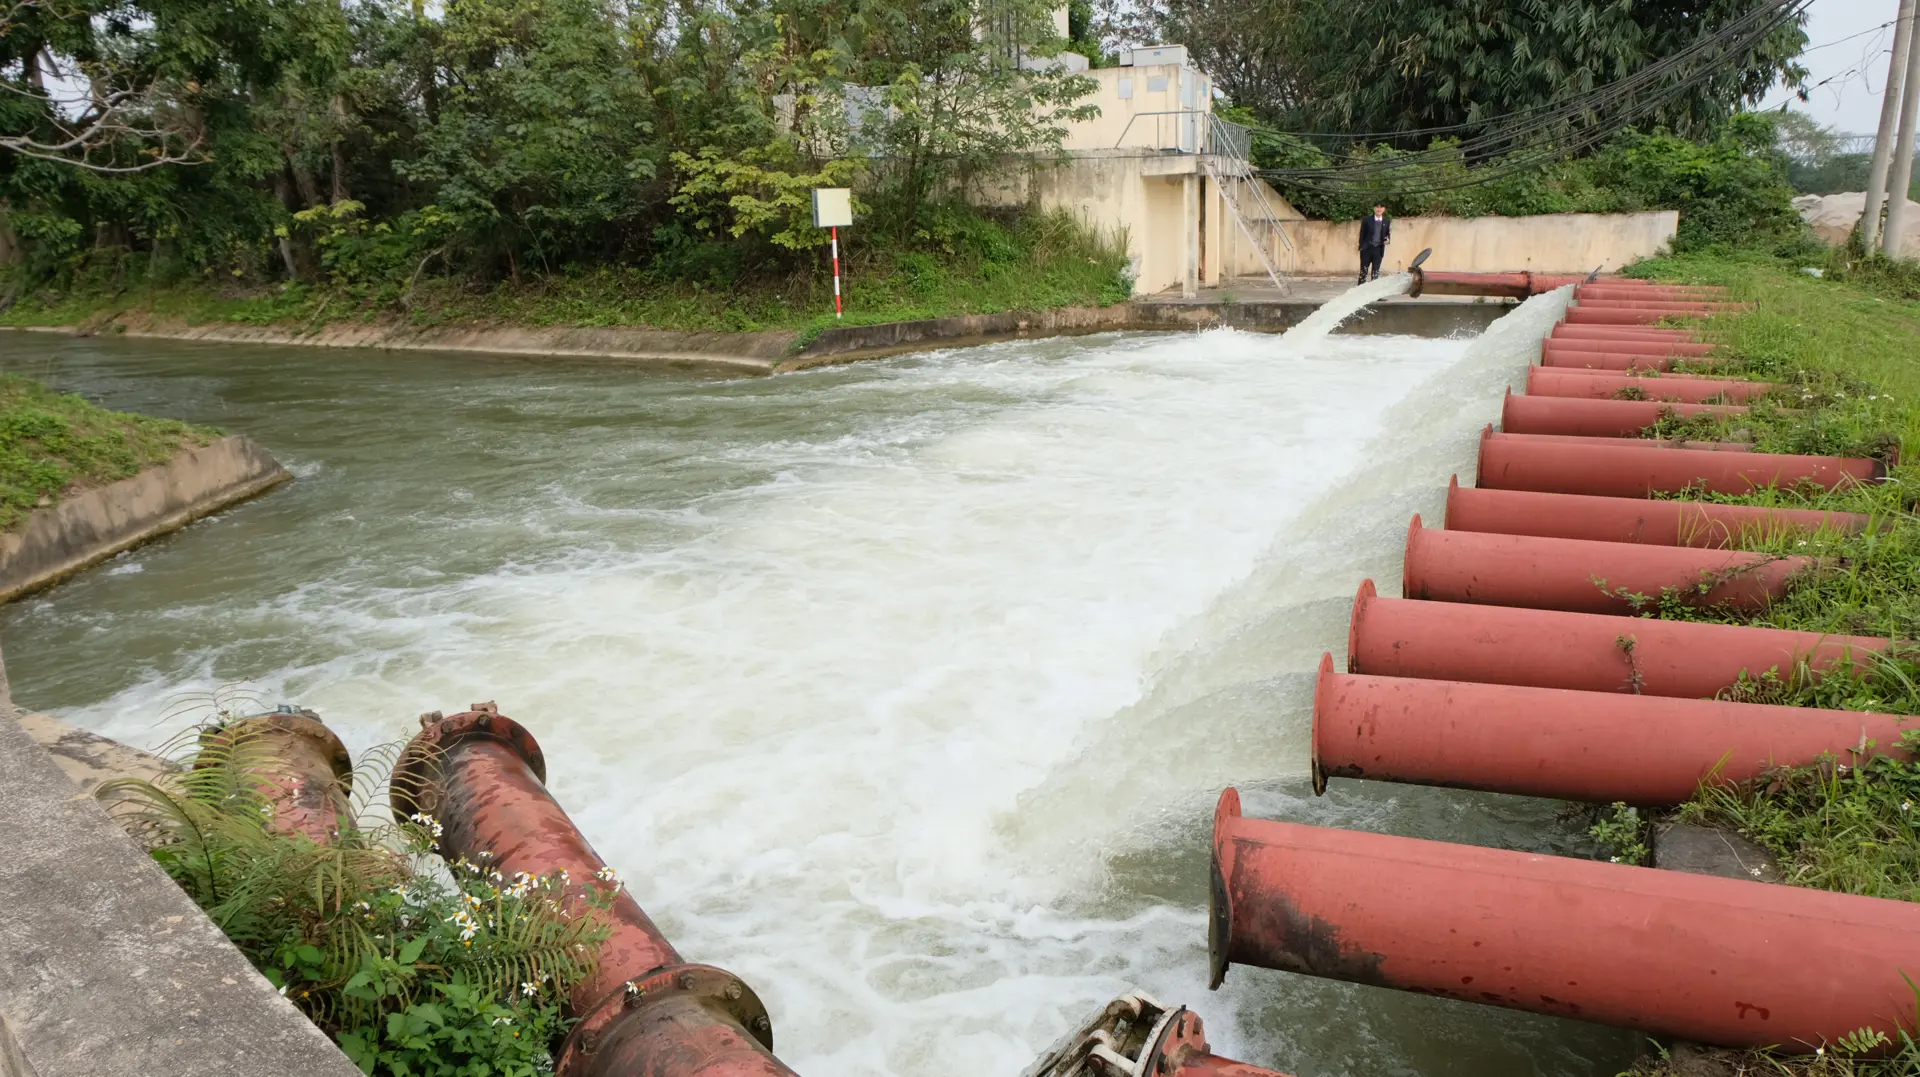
<point>1849,43</point>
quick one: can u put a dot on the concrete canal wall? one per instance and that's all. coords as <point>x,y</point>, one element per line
<point>57,541</point>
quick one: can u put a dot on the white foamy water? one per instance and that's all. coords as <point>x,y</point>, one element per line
<point>903,691</point>
<point>1345,305</point>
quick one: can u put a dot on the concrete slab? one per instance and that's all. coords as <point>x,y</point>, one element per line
<point>107,969</point>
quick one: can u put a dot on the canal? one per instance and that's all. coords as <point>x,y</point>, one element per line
<point>902,689</point>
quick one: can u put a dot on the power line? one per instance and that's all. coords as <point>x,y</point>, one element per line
<point>1528,138</point>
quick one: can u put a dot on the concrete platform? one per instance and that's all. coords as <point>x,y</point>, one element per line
<point>107,969</point>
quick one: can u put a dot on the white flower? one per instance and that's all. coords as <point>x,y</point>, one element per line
<point>607,875</point>
<point>283,990</point>
<point>503,1020</point>
<point>1906,805</point>
<point>528,988</point>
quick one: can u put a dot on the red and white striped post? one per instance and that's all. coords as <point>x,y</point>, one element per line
<point>833,210</point>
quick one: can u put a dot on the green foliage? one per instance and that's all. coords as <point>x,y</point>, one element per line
<point>1331,66</point>
<point>760,191</point>
<point>415,972</point>
<point>1731,190</point>
<point>1623,833</point>
<point>52,442</point>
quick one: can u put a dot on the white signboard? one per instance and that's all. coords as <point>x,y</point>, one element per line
<point>832,207</point>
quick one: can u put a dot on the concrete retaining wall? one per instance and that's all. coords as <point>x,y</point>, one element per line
<point>854,342</point>
<point>1553,243</point>
<point>766,353</point>
<point>91,526</point>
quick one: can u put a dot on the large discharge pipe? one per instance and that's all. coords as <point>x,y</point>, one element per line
<point>1546,742</point>
<point>1578,439</point>
<point>1617,468</point>
<point>1625,346</point>
<point>1582,576</point>
<point>1594,385</point>
<point>298,766</point>
<point>1597,418</point>
<point>1720,961</point>
<point>1582,652</point>
<point>1595,316</point>
<point>1605,361</point>
<point>1633,519</point>
<point>1563,330</point>
<point>645,1010</point>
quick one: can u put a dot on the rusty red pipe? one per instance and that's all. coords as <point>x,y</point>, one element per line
<point>1584,576</point>
<point>1596,418</point>
<point>1720,961</point>
<point>1671,306</point>
<point>1547,742</point>
<point>645,1010</point>
<point>1590,316</point>
<point>1620,468</point>
<point>299,767</point>
<point>1583,652</point>
<point>1590,292</point>
<point>1609,332</point>
<point>1606,361</point>
<point>1581,439</point>
<point>1632,519</point>
<point>1548,381</point>
<point>1624,346</point>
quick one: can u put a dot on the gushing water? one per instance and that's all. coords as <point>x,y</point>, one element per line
<point>903,690</point>
<point>1330,314</point>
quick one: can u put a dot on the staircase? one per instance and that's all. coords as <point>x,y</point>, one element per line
<point>1225,161</point>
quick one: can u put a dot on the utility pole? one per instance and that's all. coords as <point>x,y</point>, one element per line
<point>1900,171</point>
<point>1889,119</point>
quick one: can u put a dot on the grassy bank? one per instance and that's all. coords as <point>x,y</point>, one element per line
<point>1842,353</point>
<point>1031,262</point>
<point>56,444</point>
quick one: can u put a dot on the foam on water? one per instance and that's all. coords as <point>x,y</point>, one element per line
<point>915,720</point>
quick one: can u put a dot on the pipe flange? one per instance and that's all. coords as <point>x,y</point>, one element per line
<point>1178,1035</point>
<point>720,991</point>
<point>305,724</point>
<point>414,786</point>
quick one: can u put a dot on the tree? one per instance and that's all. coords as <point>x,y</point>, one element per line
<point>1336,66</point>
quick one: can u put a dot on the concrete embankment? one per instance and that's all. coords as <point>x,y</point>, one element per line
<point>57,541</point>
<point>106,967</point>
<point>782,351</point>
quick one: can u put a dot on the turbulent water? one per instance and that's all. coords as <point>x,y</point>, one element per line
<point>903,689</point>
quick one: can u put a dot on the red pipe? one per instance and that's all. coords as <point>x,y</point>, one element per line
<point>1563,331</point>
<point>1682,292</point>
<point>1631,519</point>
<point>1547,381</point>
<point>1583,652</point>
<point>1586,576</point>
<point>1591,316</point>
<point>1547,742</point>
<point>1722,961</point>
<point>1667,375</point>
<point>1610,361</point>
<point>1620,469</point>
<point>1435,282</point>
<point>1577,439</point>
<point>1596,418</point>
<point>644,1010</point>
<point>298,766</point>
<point>1678,306</point>
<point>1627,347</point>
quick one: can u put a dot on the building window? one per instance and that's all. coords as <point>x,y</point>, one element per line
<point>1156,84</point>
<point>1126,89</point>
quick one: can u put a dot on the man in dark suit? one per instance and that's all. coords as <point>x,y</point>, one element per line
<point>1375,233</point>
